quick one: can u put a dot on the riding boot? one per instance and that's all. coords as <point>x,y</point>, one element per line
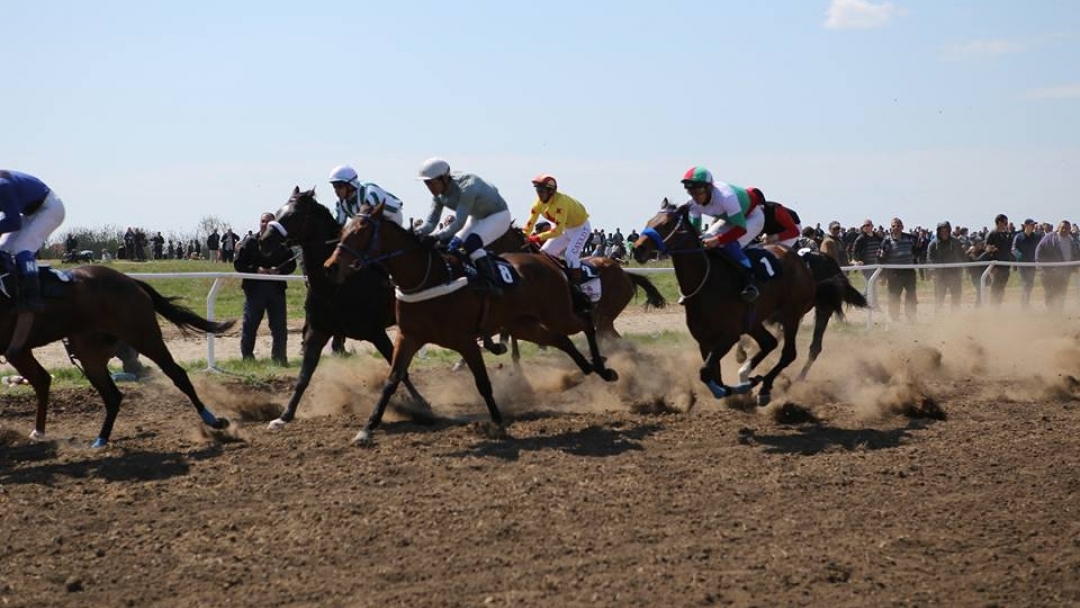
<point>750,292</point>
<point>489,275</point>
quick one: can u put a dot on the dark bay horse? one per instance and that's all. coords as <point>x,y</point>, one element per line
<point>538,308</point>
<point>97,306</point>
<point>832,292</point>
<point>360,308</point>
<point>617,287</point>
<point>710,283</point>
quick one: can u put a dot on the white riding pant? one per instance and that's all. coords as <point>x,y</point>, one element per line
<point>755,223</point>
<point>569,244</point>
<point>488,229</point>
<point>36,228</point>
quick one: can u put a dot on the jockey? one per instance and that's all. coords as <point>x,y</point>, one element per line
<point>739,220</point>
<point>782,225</point>
<point>352,193</point>
<point>480,215</point>
<point>29,213</point>
<point>571,228</point>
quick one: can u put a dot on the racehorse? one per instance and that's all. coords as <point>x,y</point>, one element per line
<point>537,308</point>
<point>709,285</point>
<point>360,308</point>
<point>92,307</point>
<point>617,287</point>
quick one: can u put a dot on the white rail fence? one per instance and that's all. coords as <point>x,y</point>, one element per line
<point>870,292</point>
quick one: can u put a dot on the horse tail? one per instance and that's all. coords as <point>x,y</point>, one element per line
<point>833,287</point>
<point>181,316</point>
<point>653,297</point>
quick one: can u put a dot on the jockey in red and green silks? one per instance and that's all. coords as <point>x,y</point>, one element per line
<point>738,218</point>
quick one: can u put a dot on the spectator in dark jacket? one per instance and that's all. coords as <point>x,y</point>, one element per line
<point>898,248</point>
<point>1058,246</point>
<point>867,247</point>
<point>1023,250</point>
<point>944,249</point>
<point>264,296</point>
<point>999,245</point>
<point>832,244</point>
<point>978,253</point>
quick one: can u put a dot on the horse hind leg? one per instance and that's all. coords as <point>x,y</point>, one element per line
<point>821,323</point>
<point>152,346</point>
<point>787,355</point>
<point>40,380</point>
<point>767,343</point>
<point>534,331</point>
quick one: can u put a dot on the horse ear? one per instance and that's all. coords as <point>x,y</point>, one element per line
<point>296,190</point>
<point>665,204</point>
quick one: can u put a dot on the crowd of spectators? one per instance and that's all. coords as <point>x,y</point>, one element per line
<point>136,246</point>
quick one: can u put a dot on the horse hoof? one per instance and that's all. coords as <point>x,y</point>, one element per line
<point>742,388</point>
<point>276,425</point>
<point>763,399</point>
<point>220,424</point>
<point>363,438</point>
<point>718,390</point>
<point>497,349</point>
<point>495,431</point>
<point>609,375</point>
<point>99,443</point>
<point>36,435</point>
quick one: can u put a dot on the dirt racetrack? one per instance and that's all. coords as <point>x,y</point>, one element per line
<point>646,492</point>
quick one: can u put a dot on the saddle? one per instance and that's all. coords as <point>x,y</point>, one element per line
<point>54,283</point>
<point>764,264</point>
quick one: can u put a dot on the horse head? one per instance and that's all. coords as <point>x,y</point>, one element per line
<point>362,242</point>
<point>303,221</point>
<point>668,231</point>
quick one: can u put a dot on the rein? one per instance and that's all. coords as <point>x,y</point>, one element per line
<point>661,243</point>
<point>363,260</point>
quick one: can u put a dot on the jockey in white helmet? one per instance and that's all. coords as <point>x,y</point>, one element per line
<point>352,193</point>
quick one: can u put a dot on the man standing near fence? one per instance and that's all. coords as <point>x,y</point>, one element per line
<point>1023,250</point>
<point>999,246</point>
<point>944,249</point>
<point>264,296</point>
<point>898,247</point>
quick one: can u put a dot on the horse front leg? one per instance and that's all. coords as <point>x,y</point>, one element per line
<point>40,380</point>
<point>710,369</point>
<point>422,412</point>
<point>314,341</point>
<point>767,343</point>
<point>404,349</point>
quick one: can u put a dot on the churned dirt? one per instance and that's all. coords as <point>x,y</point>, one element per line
<point>928,464</point>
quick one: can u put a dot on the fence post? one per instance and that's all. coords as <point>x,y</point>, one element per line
<point>210,299</point>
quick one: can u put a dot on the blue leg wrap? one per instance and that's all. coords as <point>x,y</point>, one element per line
<point>719,391</point>
<point>208,417</point>
<point>98,443</point>
<point>736,252</point>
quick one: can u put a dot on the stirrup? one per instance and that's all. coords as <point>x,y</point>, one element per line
<point>749,294</point>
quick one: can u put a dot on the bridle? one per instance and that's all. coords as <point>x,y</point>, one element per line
<point>365,258</point>
<point>662,244</point>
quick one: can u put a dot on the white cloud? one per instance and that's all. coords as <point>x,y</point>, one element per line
<point>859,14</point>
<point>1067,91</point>
<point>983,49</point>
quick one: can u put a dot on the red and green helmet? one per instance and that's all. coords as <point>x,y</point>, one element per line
<point>697,175</point>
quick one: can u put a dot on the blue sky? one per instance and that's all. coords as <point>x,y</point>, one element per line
<point>159,115</point>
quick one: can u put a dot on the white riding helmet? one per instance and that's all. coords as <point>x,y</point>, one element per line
<point>346,175</point>
<point>432,168</point>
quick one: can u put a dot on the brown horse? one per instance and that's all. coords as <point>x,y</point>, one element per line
<point>617,287</point>
<point>709,284</point>
<point>91,309</point>
<point>538,308</point>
